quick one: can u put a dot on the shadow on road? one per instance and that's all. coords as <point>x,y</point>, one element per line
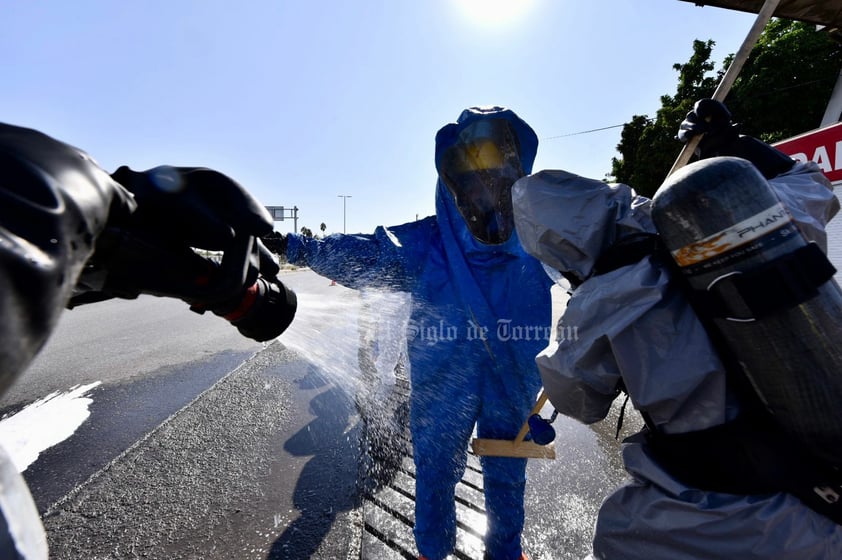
<point>327,484</point>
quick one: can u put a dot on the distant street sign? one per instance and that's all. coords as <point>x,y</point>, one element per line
<point>277,213</point>
<point>281,213</point>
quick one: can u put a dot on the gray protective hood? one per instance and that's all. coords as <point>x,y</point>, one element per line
<point>628,322</point>
<point>568,221</point>
<point>633,325</point>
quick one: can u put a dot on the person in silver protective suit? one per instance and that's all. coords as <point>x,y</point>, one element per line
<point>70,233</point>
<point>638,333</point>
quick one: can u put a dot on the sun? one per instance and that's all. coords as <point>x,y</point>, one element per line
<point>493,12</point>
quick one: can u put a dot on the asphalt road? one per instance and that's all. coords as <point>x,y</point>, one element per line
<point>261,466</point>
<point>150,358</point>
<point>203,445</point>
<point>119,340</point>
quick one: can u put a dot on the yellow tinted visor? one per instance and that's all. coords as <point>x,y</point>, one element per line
<point>473,156</point>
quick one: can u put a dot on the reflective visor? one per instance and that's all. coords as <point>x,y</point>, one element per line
<point>481,154</point>
<point>479,171</point>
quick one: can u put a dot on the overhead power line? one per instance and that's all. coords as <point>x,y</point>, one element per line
<point>761,94</point>
<point>584,131</point>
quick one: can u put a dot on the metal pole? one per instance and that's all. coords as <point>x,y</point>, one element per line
<point>344,198</point>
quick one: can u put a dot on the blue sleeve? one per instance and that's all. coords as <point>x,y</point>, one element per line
<point>388,258</point>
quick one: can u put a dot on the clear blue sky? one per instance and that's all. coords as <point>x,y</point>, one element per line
<point>304,101</point>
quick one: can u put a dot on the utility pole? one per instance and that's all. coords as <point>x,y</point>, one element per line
<point>344,198</point>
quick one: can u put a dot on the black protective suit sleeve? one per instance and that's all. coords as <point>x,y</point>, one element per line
<point>54,202</point>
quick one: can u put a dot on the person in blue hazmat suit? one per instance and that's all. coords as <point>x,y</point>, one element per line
<point>70,233</point>
<point>468,276</point>
<point>637,333</point>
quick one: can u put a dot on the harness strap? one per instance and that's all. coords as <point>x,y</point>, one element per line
<point>752,454</point>
<point>749,455</point>
<point>781,283</point>
<point>628,251</point>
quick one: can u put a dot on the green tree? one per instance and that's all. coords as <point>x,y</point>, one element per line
<point>648,146</point>
<point>784,86</point>
<point>781,91</point>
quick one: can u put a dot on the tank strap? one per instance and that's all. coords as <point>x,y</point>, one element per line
<point>628,251</point>
<point>752,454</point>
<point>749,455</point>
<point>781,283</point>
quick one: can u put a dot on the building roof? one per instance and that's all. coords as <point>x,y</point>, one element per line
<point>821,12</point>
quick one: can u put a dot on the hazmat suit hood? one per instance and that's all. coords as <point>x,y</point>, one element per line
<point>633,328</point>
<point>478,158</point>
<point>568,221</point>
<point>490,283</point>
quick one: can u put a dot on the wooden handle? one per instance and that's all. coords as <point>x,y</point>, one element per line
<point>542,400</point>
<point>763,17</point>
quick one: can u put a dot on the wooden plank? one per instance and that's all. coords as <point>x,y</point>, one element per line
<point>824,12</point>
<point>388,529</point>
<point>470,520</point>
<point>511,448</point>
<point>763,17</point>
<point>396,503</point>
<point>468,545</point>
<point>373,547</point>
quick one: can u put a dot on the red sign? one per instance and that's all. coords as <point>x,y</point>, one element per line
<point>824,146</point>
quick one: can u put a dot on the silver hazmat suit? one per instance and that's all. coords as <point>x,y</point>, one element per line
<point>635,325</point>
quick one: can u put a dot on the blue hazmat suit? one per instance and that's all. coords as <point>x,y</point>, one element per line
<point>634,325</point>
<point>479,314</point>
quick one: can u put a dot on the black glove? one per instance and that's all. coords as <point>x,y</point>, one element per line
<point>152,250</point>
<point>713,119</point>
<point>200,207</point>
<point>722,138</point>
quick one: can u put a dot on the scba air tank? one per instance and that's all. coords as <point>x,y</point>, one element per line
<point>769,292</point>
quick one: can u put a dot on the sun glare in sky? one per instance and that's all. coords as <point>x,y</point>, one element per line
<point>494,12</point>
